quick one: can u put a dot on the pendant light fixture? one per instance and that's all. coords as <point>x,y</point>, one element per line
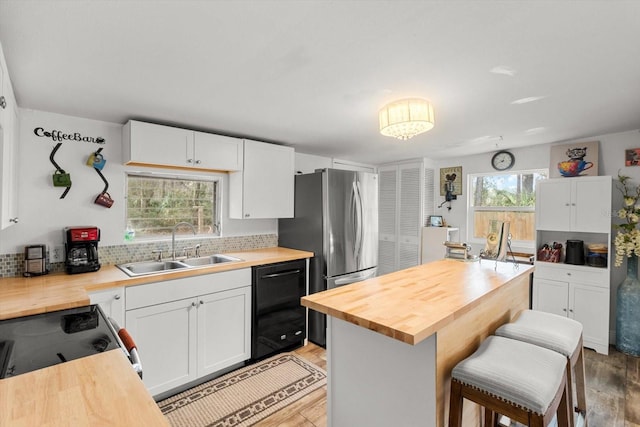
<point>406,118</point>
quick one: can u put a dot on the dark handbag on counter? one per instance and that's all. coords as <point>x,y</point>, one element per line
<point>104,199</point>
<point>61,179</point>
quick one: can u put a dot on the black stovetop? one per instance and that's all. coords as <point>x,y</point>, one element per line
<point>35,342</point>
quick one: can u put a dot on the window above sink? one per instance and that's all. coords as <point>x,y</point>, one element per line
<point>155,202</point>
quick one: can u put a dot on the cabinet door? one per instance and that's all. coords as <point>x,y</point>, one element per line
<point>217,152</point>
<point>159,145</point>
<point>550,296</point>
<point>592,205</point>
<point>165,335</point>
<point>553,205</point>
<point>589,305</point>
<point>9,128</point>
<point>224,330</point>
<point>265,187</point>
<point>111,301</point>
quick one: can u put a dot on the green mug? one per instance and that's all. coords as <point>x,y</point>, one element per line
<point>61,179</point>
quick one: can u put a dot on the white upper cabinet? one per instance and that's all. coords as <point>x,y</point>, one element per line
<point>265,186</point>
<point>9,136</point>
<point>574,204</point>
<point>211,151</point>
<point>165,146</point>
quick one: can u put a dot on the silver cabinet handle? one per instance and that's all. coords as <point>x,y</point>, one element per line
<point>13,220</point>
<point>3,102</point>
<point>201,302</point>
<point>189,160</point>
<point>198,162</point>
<point>247,215</point>
<point>193,304</point>
<point>116,296</point>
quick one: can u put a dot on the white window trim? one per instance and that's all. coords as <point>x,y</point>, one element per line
<point>174,175</point>
<point>527,245</point>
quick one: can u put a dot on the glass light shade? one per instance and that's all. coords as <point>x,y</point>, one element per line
<point>406,118</point>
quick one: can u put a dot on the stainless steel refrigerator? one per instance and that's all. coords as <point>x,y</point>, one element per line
<point>336,217</point>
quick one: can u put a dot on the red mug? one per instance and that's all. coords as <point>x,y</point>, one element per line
<point>104,199</point>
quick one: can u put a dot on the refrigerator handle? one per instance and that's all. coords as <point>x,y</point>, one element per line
<point>357,221</point>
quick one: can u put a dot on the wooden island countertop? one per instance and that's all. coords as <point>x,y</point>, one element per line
<point>393,340</point>
<point>412,304</point>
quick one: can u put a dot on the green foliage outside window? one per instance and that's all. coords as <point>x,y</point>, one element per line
<point>155,204</point>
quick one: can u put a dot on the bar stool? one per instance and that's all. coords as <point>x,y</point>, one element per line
<point>559,334</point>
<point>525,382</point>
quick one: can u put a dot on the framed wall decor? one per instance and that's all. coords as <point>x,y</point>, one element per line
<point>574,159</point>
<point>435,221</point>
<point>632,157</point>
<point>451,174</point>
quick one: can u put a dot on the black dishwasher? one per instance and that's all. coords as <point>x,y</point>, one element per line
<point>278,319</point>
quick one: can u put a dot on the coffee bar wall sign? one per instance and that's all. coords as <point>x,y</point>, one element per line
<point>60,136</point>
<point>574,159</point>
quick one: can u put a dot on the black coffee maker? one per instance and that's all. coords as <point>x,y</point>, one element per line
<point>81,247</point>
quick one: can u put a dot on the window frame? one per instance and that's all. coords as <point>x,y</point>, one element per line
<point>524,244</point>
<point>218,208</point>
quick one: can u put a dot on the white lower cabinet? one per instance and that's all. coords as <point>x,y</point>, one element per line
<point>111,301</point>
<point>224,330</point>
<point>165,335</point>
<point>584,302</point>
<point>189,328</point>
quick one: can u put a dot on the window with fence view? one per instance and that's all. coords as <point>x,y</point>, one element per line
<point>505,197</point>
<point>156,203</point>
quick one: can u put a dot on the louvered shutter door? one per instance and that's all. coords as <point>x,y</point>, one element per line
<point>429,196</point>
<point>387,191</point>
<point>410,215</point>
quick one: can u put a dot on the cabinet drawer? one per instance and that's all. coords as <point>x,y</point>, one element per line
<point>188,287</point>
<point>572,273</point>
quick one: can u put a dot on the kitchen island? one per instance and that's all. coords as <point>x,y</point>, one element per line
<point>392,341</point>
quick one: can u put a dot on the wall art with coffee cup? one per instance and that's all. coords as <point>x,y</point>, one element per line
<point>574,159</point>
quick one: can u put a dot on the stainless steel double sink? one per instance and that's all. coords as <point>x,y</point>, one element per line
<point>133,269</point>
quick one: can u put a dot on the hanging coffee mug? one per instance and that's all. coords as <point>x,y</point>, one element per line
<point>104,199</point>
<point>96,160</point>
<point>61,179</point>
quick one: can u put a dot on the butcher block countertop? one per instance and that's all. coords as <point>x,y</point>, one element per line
<point>20,296</point>
<point>410,305</point>
<point>100,390</point>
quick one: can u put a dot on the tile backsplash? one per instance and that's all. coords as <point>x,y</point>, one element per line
<point>12,265</point>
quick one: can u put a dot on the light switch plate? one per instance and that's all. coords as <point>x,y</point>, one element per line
<point>57,254</point>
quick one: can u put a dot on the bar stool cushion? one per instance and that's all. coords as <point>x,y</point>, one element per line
<point>546,330</point>
<point>518,372</point>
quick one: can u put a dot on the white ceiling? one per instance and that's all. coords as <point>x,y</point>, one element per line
<point>313,74</point>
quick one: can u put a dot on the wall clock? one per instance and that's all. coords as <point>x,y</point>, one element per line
<point>502,160</point>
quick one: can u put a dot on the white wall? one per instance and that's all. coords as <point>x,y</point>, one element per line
<point>611,161</point>
<point>43,215</point>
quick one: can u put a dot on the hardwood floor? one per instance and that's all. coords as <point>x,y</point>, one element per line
<point>613,393</point>
<point>311,410</point>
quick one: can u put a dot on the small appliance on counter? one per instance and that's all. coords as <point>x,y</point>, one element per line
<point>575,252</point>
<point>81,248</point>
<point>36,260</point>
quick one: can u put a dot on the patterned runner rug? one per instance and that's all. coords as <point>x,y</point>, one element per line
<point>243,397</point>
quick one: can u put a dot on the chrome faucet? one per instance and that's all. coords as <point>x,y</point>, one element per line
<point>173,237</point>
